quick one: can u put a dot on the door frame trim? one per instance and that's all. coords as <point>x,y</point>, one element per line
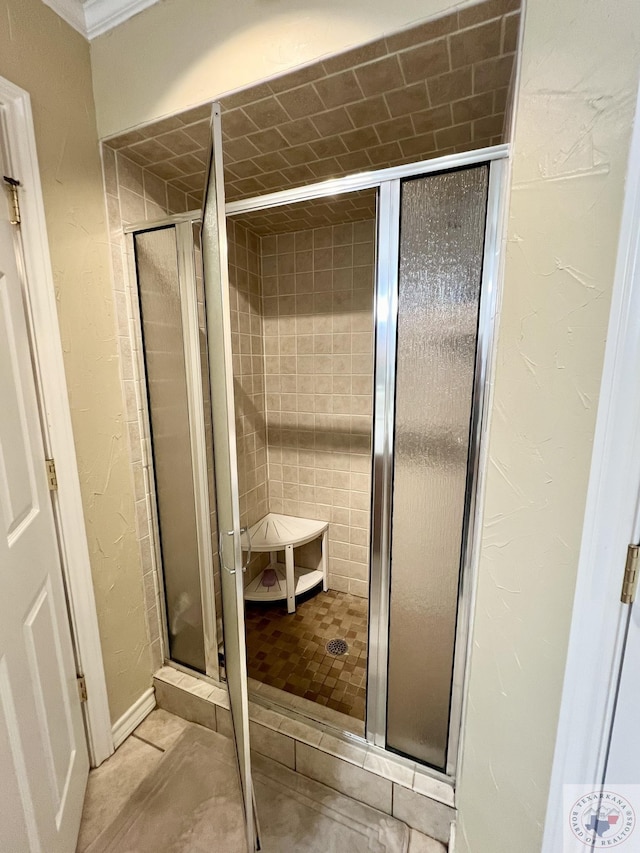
<point>57,428</point>
<point>610,524</point>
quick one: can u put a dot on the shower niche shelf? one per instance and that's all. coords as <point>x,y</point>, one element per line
<point>279,582</point>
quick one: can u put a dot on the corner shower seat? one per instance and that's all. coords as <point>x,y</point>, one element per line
<point>275,533</point>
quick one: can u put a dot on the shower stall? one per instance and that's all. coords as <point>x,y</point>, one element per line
<point>321,354</point>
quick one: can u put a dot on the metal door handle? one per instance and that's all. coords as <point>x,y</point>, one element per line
<point>243,530</point>
<point>221,552</point>
<point>246,530</point>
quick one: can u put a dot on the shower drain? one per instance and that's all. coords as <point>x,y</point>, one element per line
<point>337,647</point>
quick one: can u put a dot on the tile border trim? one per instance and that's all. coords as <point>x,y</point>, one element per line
<point>396,770</point>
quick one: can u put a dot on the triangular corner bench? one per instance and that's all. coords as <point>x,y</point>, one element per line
<point>278,582</point>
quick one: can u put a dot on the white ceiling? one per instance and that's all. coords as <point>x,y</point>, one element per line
<point>93,17</point>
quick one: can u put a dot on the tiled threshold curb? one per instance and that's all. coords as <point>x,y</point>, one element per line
<point>398,788</point>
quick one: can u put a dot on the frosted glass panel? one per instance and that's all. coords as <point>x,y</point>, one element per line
<point>441,246</point>
<point>159,292</point>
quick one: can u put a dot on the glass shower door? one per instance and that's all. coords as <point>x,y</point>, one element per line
<point>216,281</point>
<point>441,250</point>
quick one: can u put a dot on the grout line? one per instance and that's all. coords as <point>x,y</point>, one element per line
<point>148,742</point>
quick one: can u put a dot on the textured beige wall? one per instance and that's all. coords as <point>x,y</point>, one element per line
<point>200,50</point>
<point>45,56</point>
<point>580,71</point>
<point>574,115</point>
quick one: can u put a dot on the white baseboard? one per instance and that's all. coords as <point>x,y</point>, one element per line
<point>452,838</point>
<point>132,718</point>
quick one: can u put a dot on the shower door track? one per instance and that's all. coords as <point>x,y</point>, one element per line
<point>385,313</point>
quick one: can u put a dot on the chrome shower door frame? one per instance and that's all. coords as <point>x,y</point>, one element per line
<point>183,226</point>
<point>386,315</point>
<point>193,361</point>
<point>387,181</point>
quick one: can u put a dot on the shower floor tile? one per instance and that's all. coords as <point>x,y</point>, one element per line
<point>287,651</point>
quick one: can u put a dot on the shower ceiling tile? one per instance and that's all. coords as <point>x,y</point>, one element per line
<point>332,122</point>
<point>247,96</point>
<point>126,139</point>
<point>477,106</point>
<point>353,207</point>
<point>427,60</point>
<point>360,139</point>
<point>166,171</point>
<point>484,127</point>
<point>368,112</point>
<point>381,155</point>
<point>434,119</point>
<point>412,147</point>
<point>458,135</point>
<point>451,87</point>
<point>239,149</point>
<point>237,123</point>
<point>356,56</point>
<point>269,140</point>
<point>476,44</point>
<point>297,78</point>
<point>178,141</point>
<point>188,164</point>
<point>266,113</point>
<point>301,102</point>
<point>491,74</point>
<point>298,155</point>
<point>297,175</point>
<point>298,132</point>
<point>484,11</point>
<point>428,31</point>
<point>394,129</point>
<point>500,100</point>
<point>327,148</point>
<point>201,132</point>
<point>436,88</point>
<point>510,31</point>
<point>152,149</point>
<point>339,89</point>
<point>382,75</point>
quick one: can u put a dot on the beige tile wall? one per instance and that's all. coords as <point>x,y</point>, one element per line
<point>248,371</point>
<point>437,88</point>
<point>317,294</point>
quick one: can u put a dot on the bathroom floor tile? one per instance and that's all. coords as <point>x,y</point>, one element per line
<point>112,784</point>
<point>288,651</point>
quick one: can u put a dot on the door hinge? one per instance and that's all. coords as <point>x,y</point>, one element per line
<point>82,688</point>
<point>630,580</point>
<point>12,186</point>
<point>52,477</point>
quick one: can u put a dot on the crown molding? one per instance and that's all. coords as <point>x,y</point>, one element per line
<point>94,17</point>
<point>103,15</point>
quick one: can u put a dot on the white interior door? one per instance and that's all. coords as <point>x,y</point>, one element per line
<point>43,751</point>
<point>623,763</point>
<point>216,283</point>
